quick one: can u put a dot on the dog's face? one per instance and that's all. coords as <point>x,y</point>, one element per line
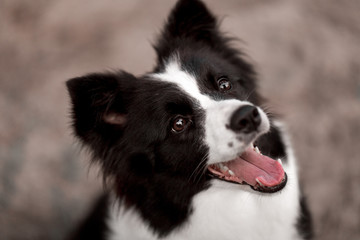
<point>159,135</point>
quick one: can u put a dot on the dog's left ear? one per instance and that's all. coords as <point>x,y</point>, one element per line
<point>189,19</point>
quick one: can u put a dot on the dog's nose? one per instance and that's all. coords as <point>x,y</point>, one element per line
<point>245,119</point>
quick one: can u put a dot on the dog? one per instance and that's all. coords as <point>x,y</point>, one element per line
<point>187,149</point>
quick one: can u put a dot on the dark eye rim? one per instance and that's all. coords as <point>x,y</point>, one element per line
<point>188,122</point>
<point>224,78</point>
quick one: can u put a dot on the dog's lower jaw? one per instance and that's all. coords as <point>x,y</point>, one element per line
<point>225,211</point>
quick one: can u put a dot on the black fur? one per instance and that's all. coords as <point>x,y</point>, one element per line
<point>148,164</point>
<point>305,223</point>
<point>157,167</point>
<point>272,145</point>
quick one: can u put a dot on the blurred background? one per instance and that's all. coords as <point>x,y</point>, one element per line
<point>307,54</point>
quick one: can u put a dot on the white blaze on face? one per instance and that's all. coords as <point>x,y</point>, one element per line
<point>224,144</point>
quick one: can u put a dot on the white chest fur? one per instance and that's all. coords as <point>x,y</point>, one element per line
<point>226,211</point>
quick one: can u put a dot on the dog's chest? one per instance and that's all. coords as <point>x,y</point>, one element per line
<point>226,211</point>
<point>233,214</point>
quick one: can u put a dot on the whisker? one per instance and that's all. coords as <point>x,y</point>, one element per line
<point>198,168</point>
<point>248,96</point>
<point>201,174</point>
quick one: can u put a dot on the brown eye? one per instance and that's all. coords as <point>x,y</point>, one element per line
<point>179,124</point>
<point>224,84</point>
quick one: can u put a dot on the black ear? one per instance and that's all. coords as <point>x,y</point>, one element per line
<point>189,19</point>
<point>100,103</point>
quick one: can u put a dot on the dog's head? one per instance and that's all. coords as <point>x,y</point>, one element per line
<point>160,136</point>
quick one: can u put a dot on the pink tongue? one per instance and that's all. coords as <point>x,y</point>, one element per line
<point>252,165</point>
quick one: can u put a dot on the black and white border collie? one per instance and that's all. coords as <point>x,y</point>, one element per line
<point>186,149</point>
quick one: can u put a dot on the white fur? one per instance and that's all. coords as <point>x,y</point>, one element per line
<point>225,210</point>
<point>218,114</point>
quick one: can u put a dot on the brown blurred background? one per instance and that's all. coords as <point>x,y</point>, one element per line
<point>307,54</point>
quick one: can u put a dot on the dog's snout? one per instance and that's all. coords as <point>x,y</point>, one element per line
<point>245,119</point>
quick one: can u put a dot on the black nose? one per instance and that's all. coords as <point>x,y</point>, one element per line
<point>245,119</point>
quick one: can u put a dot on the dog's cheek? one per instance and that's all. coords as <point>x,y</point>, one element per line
<point>140,165</point>
<point>134,178</point>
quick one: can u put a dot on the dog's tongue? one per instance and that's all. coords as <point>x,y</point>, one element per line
<point>252,165</point>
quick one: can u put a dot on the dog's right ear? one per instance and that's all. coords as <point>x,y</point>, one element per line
<point>100,104</point>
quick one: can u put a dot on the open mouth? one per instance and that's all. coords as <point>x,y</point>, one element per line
<point>262,173</point>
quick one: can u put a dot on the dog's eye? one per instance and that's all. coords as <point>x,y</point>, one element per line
<point>179,124</point>
<point>224,84</point>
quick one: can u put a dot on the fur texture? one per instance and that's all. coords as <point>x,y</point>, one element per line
<point>158,174</point>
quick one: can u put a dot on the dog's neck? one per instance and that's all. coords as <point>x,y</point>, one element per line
<point>257,216</point>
